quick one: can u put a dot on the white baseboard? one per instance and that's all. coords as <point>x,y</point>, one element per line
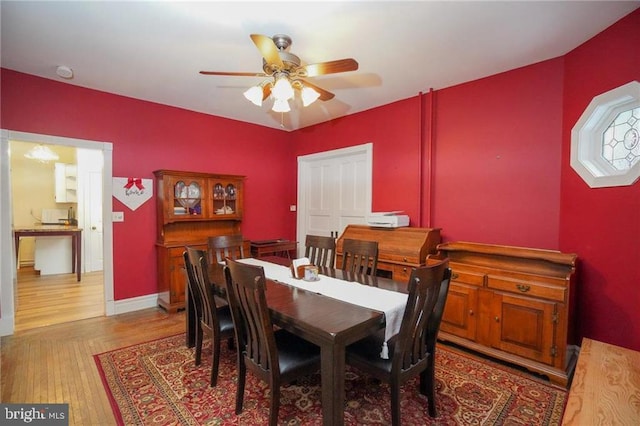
<point>132,304</point>
<point>6,326</point>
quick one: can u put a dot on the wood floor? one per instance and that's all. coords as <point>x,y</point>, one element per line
<point>54,299</point>
<point>54,364</point>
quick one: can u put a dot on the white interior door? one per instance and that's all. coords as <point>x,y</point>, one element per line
<point>90,165</point>
<point>334,190</point>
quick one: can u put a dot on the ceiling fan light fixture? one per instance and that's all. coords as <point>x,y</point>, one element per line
<point>254,94</point>
<point>282,90</point>
<point>309,95</point>
<point>41,153</point>
<point>281,105</point>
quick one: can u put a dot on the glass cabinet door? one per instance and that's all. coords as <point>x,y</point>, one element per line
<point>187,198</point>
<point>225,198</point>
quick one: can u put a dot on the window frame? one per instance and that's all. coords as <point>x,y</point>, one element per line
<point>587,136</point>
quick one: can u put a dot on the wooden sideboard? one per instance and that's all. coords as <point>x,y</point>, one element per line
<point>512,303</point>
<point>399,249</point>
<point>606,387</point>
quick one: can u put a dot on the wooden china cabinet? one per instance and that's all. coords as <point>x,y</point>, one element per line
<point>512,303</point>
<point>191,207</point>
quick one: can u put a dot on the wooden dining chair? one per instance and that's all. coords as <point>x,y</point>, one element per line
<point>213,320</point>
<point>225,246</point>
<point>412,350</point>
<point>276,357</point>
<point>359,256</point>
<point>321,251</point>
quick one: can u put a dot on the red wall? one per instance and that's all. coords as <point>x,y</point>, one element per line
<point>497,158</point>
<point>602,225</point>
<point>146,137</point>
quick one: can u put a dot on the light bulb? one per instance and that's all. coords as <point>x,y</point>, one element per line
<point>282,89</point>
<point>254,94</point>
<point>281,105</point>
<point>309,96</point>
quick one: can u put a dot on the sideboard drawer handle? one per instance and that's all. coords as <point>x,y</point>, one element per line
<point>454,276</point>
<point>523,288</point>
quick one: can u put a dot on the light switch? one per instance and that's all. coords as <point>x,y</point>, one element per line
<point>292,208</point>
<point>117,216</point>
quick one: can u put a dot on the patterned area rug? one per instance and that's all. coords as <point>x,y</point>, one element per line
<point>157,383</point>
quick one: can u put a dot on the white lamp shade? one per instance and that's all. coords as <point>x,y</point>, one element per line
<point>282,90</point>
<point>309,96</point>
<point>254,94</point>
<point>281,105</point>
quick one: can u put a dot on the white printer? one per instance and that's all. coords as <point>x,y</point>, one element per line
<point>388,219</point>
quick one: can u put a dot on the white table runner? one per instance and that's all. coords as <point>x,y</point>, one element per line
<point>392,303</point>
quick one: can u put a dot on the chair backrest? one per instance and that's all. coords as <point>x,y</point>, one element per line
<point>251,318</point>
<point>433,326</point>
<point>225,246</point>
<point>192,285</point>
<point>424,288</point>
<point>359,256</point>
<point>321,251</point>
<point>196,260</point>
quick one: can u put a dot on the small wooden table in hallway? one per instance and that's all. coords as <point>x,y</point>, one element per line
<point>55,231</point>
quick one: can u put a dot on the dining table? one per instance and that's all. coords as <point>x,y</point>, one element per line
<point>330,323</point>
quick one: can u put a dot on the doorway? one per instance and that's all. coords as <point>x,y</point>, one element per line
<point>104,258</point>
<point>334,190</point>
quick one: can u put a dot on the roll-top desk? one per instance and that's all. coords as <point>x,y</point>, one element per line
<point>399,249</point>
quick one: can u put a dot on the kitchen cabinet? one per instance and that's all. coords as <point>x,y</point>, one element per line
<point>66,177</point>
<point>512,303</point>
<point>191,207</point>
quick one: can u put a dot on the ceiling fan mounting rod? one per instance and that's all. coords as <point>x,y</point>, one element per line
<point>282,41</point>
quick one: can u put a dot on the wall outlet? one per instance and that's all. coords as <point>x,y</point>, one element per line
<point>117,216</point>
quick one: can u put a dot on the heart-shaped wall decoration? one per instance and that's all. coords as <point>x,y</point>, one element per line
<point>132,192</point>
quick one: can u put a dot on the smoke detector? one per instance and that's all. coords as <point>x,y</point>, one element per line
<point>64,72</point>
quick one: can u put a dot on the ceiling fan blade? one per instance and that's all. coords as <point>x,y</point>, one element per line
<point>268,49</point>
<point>325,95</point>
<point>331,67</point>
<point>237,74</point>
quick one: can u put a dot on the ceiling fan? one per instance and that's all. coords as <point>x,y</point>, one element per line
<point>286,72</point>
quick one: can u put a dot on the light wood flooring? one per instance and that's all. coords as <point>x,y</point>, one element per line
<point>54,364</point>
<point>54,299</point>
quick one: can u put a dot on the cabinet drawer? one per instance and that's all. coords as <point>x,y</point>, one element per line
<point>470,278</point>
<point>529,288</point>
<point>401,272</point>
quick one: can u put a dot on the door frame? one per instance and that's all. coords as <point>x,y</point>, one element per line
<point>304,164</point>
<point>8,272</point>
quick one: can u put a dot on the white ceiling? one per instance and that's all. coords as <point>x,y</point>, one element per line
<point>153,50</point>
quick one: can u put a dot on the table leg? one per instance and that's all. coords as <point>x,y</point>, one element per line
<point>333,367</point>
<point>78,254</point>
<point>74,252</point>
<point>17,242</point>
